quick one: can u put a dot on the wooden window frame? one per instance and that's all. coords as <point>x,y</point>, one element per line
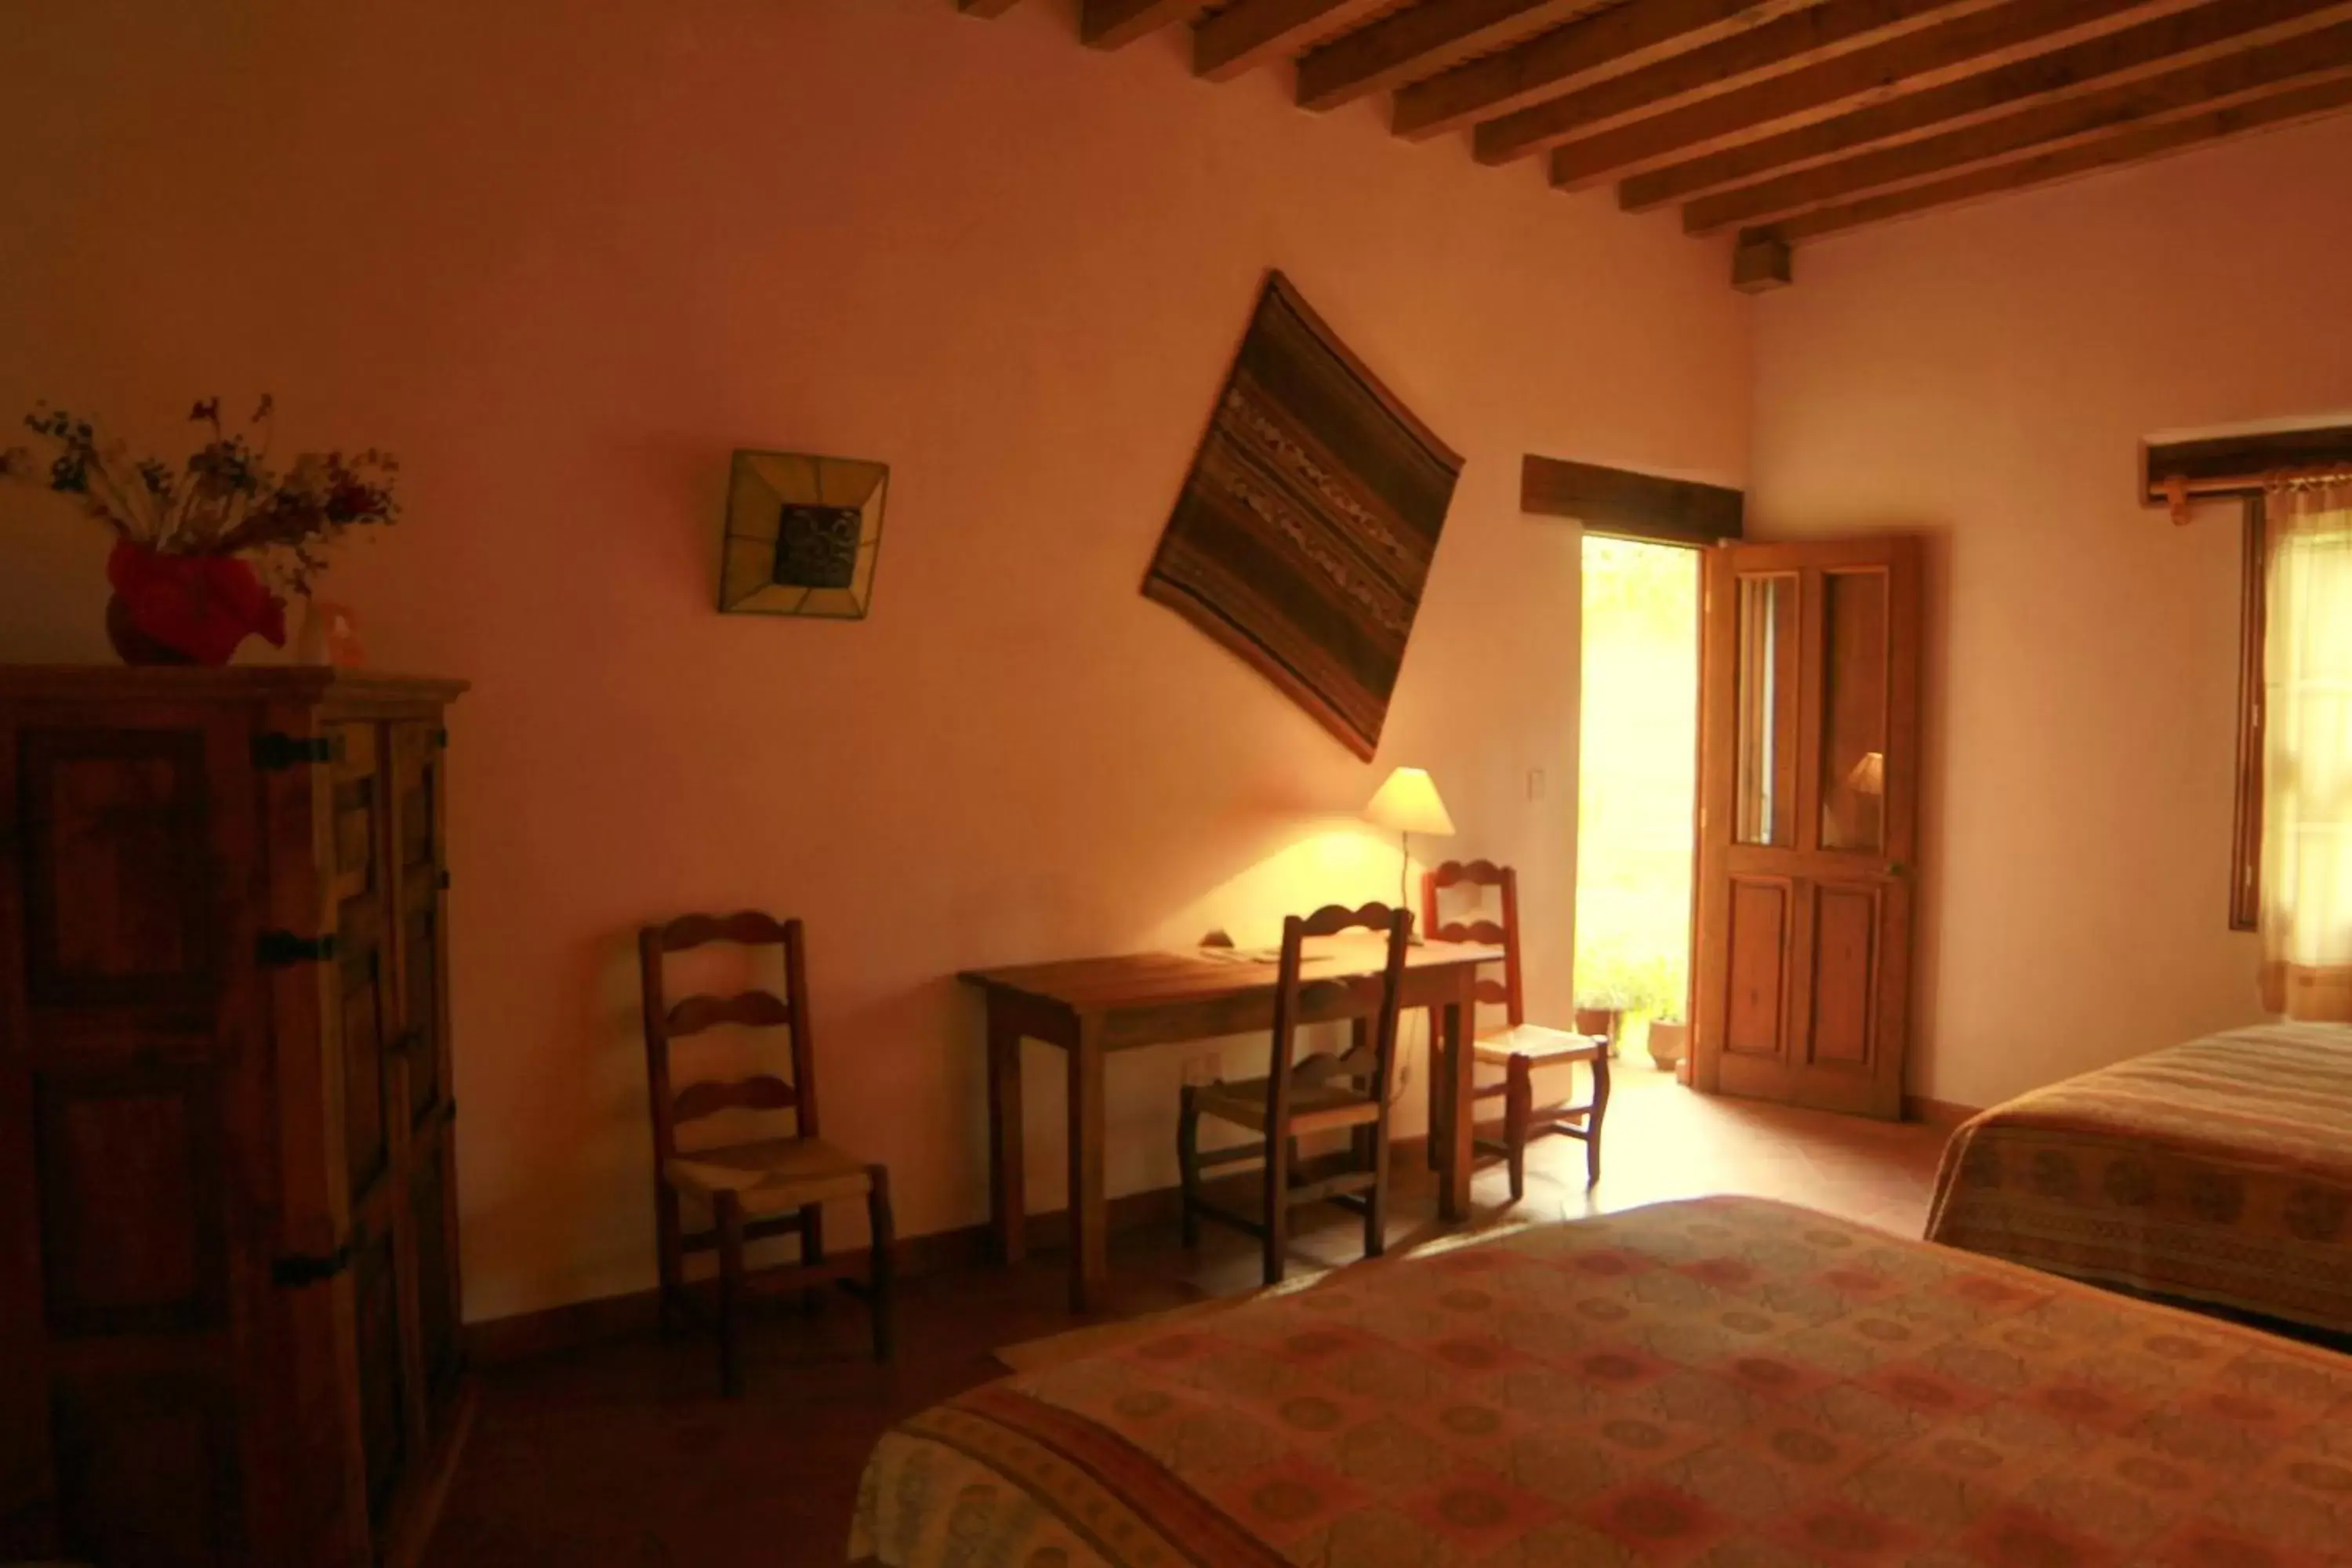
<point>2213,468</point>
<point>2253,632</point>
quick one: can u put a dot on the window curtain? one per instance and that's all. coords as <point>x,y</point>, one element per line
<point>2306,889</point>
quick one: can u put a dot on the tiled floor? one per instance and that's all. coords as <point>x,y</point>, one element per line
<point>625,1454</point>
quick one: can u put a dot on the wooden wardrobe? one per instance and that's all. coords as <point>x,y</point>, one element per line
<point>228,1230</point>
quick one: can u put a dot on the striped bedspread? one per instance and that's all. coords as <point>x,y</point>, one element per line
<point>1720,1382</point>
<point>2218,1171</point>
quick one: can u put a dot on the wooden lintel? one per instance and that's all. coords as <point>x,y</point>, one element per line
<point>2048,128</point>
<point>1620,39</point>
<point>2305,100</point>
<point>986,7</point>
<point>1800,39</point>
<point>2235,465</point>
<point>1420,41</point>
<point>1252,33</point>
<point>1715,144</point>
<point>1115,24</point>
<point>1634,505</point>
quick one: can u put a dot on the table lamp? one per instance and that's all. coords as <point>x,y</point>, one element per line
<point>1406,804</point>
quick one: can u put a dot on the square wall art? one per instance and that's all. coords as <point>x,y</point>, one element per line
<point>803,535</point>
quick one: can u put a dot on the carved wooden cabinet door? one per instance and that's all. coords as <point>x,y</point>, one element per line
<point>229,1320</point>
<point>129,1082</point>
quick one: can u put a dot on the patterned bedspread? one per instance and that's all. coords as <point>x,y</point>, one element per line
<point>1725,1381</point>
<point>2215,1172</point>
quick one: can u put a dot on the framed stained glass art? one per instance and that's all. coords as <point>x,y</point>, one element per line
<point>804,534</point>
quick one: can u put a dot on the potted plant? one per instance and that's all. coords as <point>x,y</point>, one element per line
<point>1669,1039</point>
<point>203,552</point>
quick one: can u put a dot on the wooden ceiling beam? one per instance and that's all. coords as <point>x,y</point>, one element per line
<point>1251,33</point>
<point>1621,38</point>
<point>1420,41</point>
<point>1802,39</point>
<point>1952,49</point>
<point>2150,45</point>
<point>2046,129</point>
<point>986,7</point>
<point>2292,106</point>
<point>1115,24</point>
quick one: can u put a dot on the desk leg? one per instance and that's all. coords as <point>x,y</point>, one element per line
<point>1089,1225</point>
<point>1454,1192</point>
<point>1007,1202</point>
<point>1434,1149</point>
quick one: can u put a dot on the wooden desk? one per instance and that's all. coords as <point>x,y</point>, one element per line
<point>1093,1006</point>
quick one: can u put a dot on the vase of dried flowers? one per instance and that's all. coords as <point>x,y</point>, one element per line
<point>205,554</point>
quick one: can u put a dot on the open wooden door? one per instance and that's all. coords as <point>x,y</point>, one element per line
<point>1807,822</point>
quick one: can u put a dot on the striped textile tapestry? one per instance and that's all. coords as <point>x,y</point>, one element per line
<point>1305,531</point>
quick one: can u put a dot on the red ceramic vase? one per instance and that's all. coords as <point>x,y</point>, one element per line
<point>186,609</point>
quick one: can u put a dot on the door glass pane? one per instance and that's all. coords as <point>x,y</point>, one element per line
<point>1767,808</point>
<point>1853,711</point>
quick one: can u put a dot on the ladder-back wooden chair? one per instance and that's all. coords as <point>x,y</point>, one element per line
<point>1520,1048</point>
<point>771,1186</point>
<point>1325,1093</point>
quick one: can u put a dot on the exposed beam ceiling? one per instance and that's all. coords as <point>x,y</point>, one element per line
<point>1421,40</point>
<point>2290,107</point>
<point>1764,141</point>
<point>1621,38</point>
<point>1961,48</point>
<point>2046,128</point>
<point>1112,24</point>
<point>1785,119</point>
<point>1250,33</point>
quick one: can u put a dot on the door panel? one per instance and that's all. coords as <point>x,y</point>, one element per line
<point>1808,815</point>
<point>132,1222</point>
<point>115,879</point>
<point>1755,982</point>
<point>1846,937</point>
<point>147,1471</point>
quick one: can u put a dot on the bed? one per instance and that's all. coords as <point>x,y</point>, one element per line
<point>2217,1173</point>
<point>1724,1380</point>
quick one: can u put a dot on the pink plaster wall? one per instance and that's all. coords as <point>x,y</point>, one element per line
<point>1984,376</point>
<point>563,258</point>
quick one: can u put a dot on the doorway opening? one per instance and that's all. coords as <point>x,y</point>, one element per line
<point>1637,787</point>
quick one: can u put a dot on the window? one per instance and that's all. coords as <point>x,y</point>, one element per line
<point>2211,468</point>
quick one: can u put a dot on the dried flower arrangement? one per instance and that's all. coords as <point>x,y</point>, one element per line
<point>194,545</point>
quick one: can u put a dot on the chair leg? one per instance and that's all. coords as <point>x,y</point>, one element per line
<point>883,1267</point>
<point>731,1293</point>
<point>813,1251</point>
<point>1592,1123</point>
<point>1518,1109</point>
<point>1278,1206</point>
<point>1376,1201</point>
<point>669,1251</point>
<point>1188,1164</point>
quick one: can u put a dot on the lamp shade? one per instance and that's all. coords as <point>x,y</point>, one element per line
<point>1869,775</point>
<point>1408,803</point>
